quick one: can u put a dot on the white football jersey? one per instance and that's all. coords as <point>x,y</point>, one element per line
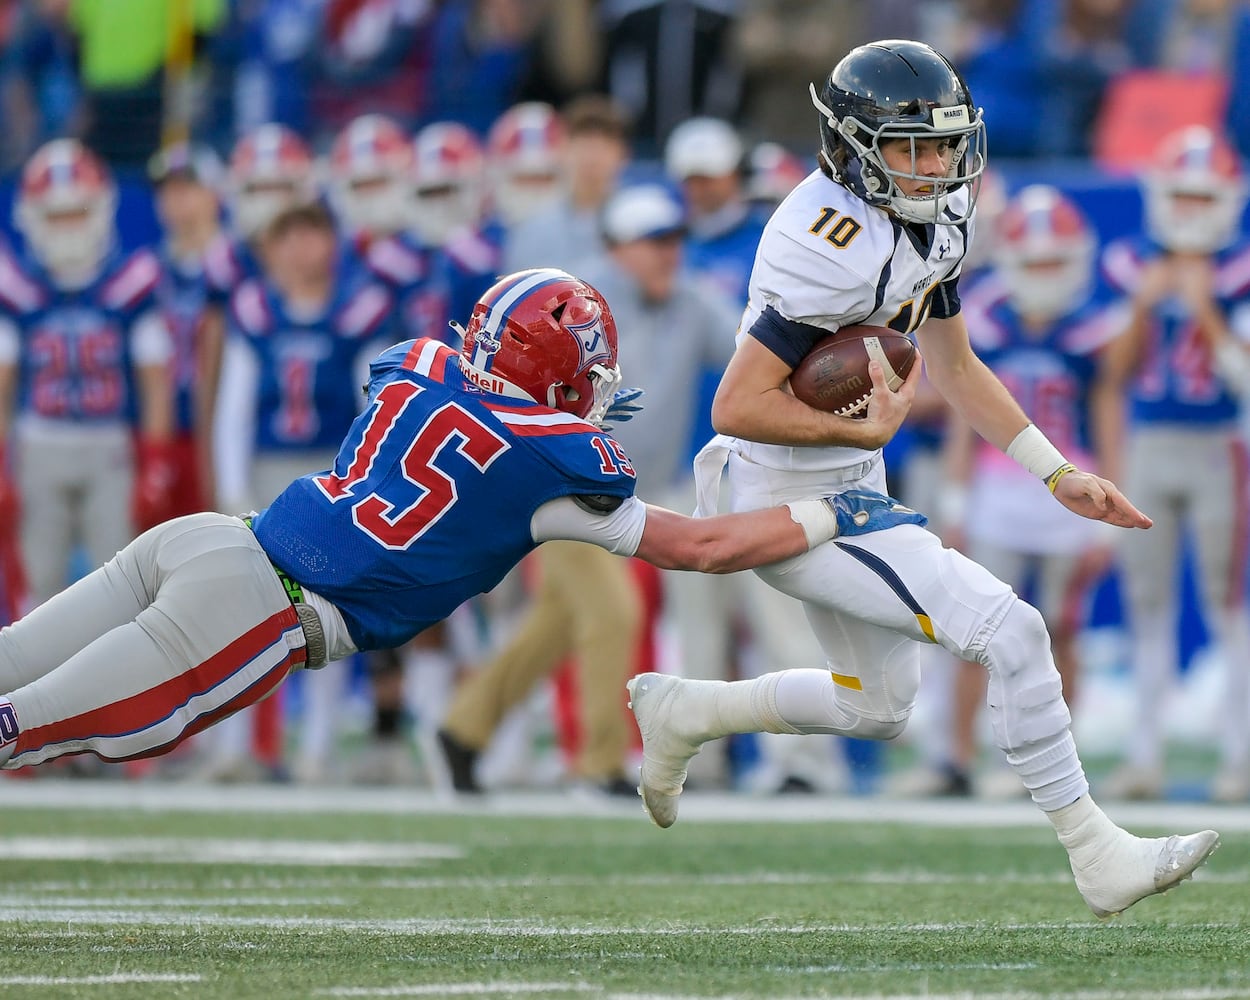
<point>827,260</point>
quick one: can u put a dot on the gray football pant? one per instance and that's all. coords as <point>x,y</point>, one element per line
<point>186,625</point>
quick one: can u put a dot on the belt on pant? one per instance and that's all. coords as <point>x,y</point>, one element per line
<point>310,621</point>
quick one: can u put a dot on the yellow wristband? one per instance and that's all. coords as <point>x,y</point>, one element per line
<point>1053,479</point>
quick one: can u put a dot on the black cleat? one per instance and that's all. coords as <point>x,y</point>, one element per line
<point>461,761</point>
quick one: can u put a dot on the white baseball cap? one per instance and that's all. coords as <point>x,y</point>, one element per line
<point>641,212</point>
<point>702,147</point>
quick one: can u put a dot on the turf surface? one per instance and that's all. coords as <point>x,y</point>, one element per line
<point>290,903</point>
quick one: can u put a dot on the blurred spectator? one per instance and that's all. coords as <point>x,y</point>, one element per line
<point>670,59</point>
<point>480,53</point>
<point>276,42</point>
<point>783,46</point>
<point>124,48</point>
<point>566,53</point>
<point>40,96</point>
<point>566,233</point>
<point>373,56</point>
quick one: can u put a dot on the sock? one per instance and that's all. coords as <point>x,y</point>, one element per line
<point>1083,829</point>
<point>730,707</point>
<point>1051,771</point>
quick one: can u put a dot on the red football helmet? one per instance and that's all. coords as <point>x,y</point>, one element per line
<point>270,170</point>
<point>546,336</point>
<point>1194,192</point>
<point>773,172</point>
<point>448,174</point>
<point>370,175</point>
<point>1045,252</point>
<point>526,150</point>
<point>66,209</point>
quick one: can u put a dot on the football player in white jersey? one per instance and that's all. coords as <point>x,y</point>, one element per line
<point>876,236</point>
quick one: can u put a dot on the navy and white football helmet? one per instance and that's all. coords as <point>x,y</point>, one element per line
<point>900,89</point>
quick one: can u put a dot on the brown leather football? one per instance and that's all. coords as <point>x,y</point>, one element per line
<point>833,376</point>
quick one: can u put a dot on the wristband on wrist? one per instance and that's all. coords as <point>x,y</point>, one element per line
<point>1034,452</point>
<point>816,518</point>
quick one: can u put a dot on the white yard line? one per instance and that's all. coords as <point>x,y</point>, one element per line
<point>196,798</point>
<point>105,980</point>
<point>456,989</point>
<point>518,989</point>
<point>215,850</point>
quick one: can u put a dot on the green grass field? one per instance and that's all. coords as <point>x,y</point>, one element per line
<point>345,894</point>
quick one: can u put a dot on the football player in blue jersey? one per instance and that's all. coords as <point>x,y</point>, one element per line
<point>1180,368</point>
<point>84,381</point>
<point>460,464</point>
<point>876,236</point>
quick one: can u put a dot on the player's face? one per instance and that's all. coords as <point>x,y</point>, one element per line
<point>706,195</point>
<point>301,255</point>
<point>595,159</point>
<point>933,158</point>
<point>184,205</point>
<point>652,263</point>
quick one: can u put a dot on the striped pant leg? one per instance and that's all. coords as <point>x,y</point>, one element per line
<point>216,633</point>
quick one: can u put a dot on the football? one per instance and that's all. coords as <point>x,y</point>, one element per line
<point>833,376</point>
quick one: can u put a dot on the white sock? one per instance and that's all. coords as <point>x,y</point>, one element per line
<point>1083,829</point>
<point>739,707</point>
<point>1051,771</point>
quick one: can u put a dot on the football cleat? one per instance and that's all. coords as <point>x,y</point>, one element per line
<point>1132,868</point>
<point>660,704</point>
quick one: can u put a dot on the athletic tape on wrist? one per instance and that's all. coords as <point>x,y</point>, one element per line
<point>816,518</point>
<point>1033,450</point>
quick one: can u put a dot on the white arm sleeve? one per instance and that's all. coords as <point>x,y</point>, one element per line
<point>234,425</point>
<point>620,532</point>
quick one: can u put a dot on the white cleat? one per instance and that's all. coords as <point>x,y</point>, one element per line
<point>657,703</point>
<point>1136,867</point>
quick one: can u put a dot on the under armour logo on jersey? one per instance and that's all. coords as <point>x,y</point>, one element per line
<point>592,341</point>
<point>944,249</point>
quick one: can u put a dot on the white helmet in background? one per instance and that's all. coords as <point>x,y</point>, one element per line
<point>271,169</point>
<point>1194,192</point>
<point>66,210</point>
<point>526,153</point>
<point>1045,252</point>
<point>370,170</point>
<point>448,177</point>
<point>772,173</point>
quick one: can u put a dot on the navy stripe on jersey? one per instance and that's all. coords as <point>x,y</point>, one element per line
<point>945,302</point>
<point>882,281</point>
<point>789,339</point>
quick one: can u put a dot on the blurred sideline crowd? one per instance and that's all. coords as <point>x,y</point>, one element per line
<point>333,176</point>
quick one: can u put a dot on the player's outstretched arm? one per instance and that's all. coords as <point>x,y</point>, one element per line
<point>722,544</point>
<point>1098,499</point>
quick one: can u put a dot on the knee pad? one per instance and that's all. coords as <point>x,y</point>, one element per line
<point>1025,693</point>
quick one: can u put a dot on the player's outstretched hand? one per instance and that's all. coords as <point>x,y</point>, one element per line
<point>625,406</point>
<point>888,409</point>
<point>1098,499</point>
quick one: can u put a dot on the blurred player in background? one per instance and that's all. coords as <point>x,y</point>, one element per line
<point>297,346</point>
<point>451,206</point>
<point>206,614</point>
<point>565,231</point>
<point>876,237</point>
<point>1037,324</point>
<point>525,149</point>
<point>84,371</point>
<point>185,181</point>
<point>1180,367</point>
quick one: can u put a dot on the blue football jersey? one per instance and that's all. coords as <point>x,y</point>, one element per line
<point>419,279</point>
<point>430,499</point>
<point>76,358</point>
<point>1176,381</point>
<point>308,393</point>
<point>725,260</point>
<point>183,297</point>
<point>1049,370</point>
<point>228,262</point>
